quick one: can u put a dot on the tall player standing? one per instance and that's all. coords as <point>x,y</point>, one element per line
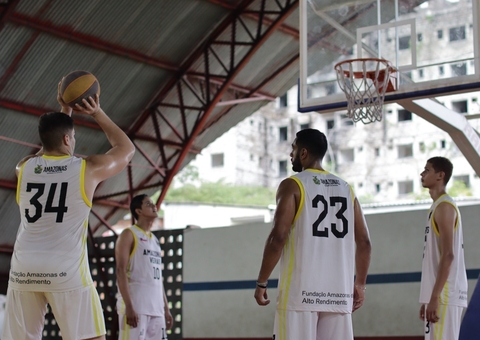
<point>321,238</point>
<point>443,289</point>
<point>49,262</point>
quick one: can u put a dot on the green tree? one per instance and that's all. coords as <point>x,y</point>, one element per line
<point>220,192</point>
<point>188,175</point>
<point>459,189</point>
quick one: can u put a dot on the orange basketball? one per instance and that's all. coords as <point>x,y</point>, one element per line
<point>78,85</point>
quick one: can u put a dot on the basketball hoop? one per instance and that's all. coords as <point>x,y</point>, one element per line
<point>365,82</point>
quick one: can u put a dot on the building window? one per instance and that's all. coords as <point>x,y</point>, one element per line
<point>405,187</point>
<point>377,188</point>
<point>457,33</point>
<point>405,77</point>
<point>304,126</point>
<point>419,37</point>
<point>330,124</point>
<point>465,179</point>
<point>404,115</point>
<point>377,152</point>
<point>459,69</point>
<point>283,132</point>
<point>404,43</point>
<point>422,147</point>
<point>282,168</point>
<point>217,160</point>
<point>443,144</point>
<point>440,34</point>
<point>346,121</point>
<point>460,106</point>
<point>330,88</point>
<point>346,156</point>
<point>441,70</point>
<point>283,100</point>
<point>405,151</point>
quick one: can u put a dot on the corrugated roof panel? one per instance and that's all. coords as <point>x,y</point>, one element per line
<point>119,78</point>
<point>265,61</point>
<point>12,40</point>
<point>161,29</point>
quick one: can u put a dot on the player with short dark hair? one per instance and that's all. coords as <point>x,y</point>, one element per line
<point>321,238</point>
<point>141,303</point>
<point>49,262</point>
<point>443,287</point>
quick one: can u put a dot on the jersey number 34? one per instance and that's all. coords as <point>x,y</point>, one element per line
<point>39,189</point>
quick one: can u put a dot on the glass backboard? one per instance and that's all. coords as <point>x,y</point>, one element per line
<point>433,44</point>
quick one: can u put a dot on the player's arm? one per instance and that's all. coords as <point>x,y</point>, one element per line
<point>101,167</point>
<point>445,217</point>
<point>288,194</point>
<point>168,315</point>
<point>123,248</point>
<point>362,255</point>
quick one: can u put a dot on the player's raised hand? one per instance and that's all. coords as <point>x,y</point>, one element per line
<point>90,107</point>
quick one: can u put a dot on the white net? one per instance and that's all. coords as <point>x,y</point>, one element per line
<point>364,82</point>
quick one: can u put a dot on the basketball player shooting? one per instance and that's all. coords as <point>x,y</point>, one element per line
<point>49,262</point>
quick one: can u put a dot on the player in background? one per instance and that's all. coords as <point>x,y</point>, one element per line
<point>49,262</point>
<point>321,238</point>
<point>443,289</point>
<point>142,303</point>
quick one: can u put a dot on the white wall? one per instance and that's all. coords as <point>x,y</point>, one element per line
<point>179,215</point>
<point>227,256</point>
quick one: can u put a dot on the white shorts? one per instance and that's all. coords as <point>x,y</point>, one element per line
<point>148,328</point>
<point>448,325</point>
<point>293,325</point>
<point>78,314</point>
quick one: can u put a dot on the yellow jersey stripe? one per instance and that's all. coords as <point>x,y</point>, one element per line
<point>56,157</point>
<point>19,181</point>
<point>97,308</point>
<point>302,198</point>
<point>82,184</point>
<point>83,256</point>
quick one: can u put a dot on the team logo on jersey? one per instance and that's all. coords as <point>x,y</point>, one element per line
<point>326,181</point>
<point>143,239</point>
<point>38,169</point>
<point>56,169</point>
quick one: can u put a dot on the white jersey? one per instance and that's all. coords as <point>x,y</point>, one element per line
<point>50,253</point>
<point>318,262</point>
<point>144,275</point>
<point>455,290</point>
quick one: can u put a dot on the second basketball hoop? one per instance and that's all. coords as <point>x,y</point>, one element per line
<point>365,82</point>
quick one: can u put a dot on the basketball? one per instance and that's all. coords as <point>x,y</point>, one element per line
<point>78,85</point>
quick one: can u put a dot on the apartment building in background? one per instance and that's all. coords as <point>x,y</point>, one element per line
<point>382,160</point>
